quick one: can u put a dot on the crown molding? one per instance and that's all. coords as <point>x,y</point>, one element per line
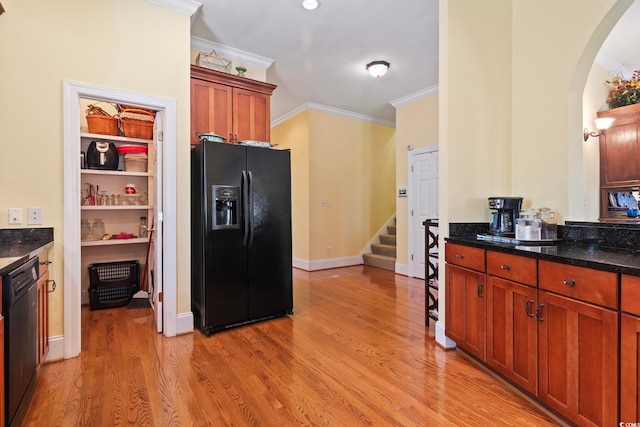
<point>415,96</point>
<point>331,110</point>
<point>232,53</point>
<point>187,7</point>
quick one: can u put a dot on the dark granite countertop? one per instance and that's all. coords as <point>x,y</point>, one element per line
<point>18,245</point>
<point>604,246</point>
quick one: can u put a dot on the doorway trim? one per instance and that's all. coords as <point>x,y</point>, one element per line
<point>72,92</point>
<point>411,194</point>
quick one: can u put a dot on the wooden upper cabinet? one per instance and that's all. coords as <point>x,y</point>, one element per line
<point>233,107</point>
<point>211,109</point>
<point>619,159</point>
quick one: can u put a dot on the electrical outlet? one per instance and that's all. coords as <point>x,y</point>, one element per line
<point>34,216</point>
<point>329,249</point>
<point>15,215</point>
<point>326,203</point>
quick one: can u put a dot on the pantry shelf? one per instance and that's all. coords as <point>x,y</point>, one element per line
<point>115,138</point>
<point>113,242</point>
<point>115,208</point>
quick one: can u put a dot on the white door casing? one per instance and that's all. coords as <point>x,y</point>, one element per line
<point>165,181</point>
<point>155,279</point>
<point>422,203</point>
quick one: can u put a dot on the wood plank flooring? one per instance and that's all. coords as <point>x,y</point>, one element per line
<point>355,353</point>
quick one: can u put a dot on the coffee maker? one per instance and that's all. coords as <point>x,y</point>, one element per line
<point>503,221</point>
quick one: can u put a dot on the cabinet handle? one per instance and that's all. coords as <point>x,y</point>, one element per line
<point>505,267</point>
<point>479,290</point>
<point>53,285</point>
<point>539,312</point>
<point>569,282</point>
<point>459,256</point>
<point>527,308</point>
<point>45,262</point>
<point>151,229</point>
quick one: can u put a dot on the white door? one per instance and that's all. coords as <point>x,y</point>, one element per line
<point>154,275</point>
<point>423,203</point>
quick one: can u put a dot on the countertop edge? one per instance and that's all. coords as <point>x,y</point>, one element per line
<point>8,264</point>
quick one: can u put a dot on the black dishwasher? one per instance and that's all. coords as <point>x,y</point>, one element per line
<point>20,309</point>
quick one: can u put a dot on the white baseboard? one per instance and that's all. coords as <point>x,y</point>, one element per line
<point>324,264</point>
<point>84,297</point>
<point>184,323</point>
<point>402,269</point>
<point>56,348</point>
<point>441,338</point>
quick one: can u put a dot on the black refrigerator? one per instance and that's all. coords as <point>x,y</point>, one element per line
<point>240,235</point>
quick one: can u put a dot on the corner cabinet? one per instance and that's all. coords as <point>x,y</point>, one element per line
<point>619,160</point>
<point>236,108</point>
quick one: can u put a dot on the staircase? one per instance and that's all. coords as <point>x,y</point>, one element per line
<point>384,253</point>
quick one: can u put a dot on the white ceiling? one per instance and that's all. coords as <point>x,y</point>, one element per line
<point>320,56</point>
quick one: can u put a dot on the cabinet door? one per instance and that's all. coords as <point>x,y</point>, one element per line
<point>251,115</point>
<point>2,408</point>
<point>629,368</point>
<point>466,309</point>
<point>43,317</point>
<point>620,155</point>
<point>512,332</point>
<point>211,109</point>
<point>578,360</point>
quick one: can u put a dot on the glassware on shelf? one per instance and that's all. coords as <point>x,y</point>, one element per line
<point>143,227</point>
<point>104,198</point>
<point>85,230</point>
<point>98,228</point>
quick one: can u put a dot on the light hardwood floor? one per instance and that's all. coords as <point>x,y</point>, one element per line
<point>355,352</point>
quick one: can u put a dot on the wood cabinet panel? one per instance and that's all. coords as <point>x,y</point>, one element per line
<point>629,368</point>
<point>466,309</point>
<point>2,379</point>
<point>512,332</point>
<point>578,360</point>
<point>586,284</point>
<point>43,317</point>
<point>251,115</point>
<point>465,256</point>
<point>513,267</point>
<point>630,294</point>
<point>213,109</point>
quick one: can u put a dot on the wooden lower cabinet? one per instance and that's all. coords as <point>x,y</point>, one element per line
<point>578,360</point>
<point>466,309</point>
<point>630,368</point>
<point>2,408</point>
<point>43,317</point>
<point>512,332</point>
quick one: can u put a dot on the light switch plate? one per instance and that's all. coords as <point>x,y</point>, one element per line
<point>34,216</point>
<point>15,215</point>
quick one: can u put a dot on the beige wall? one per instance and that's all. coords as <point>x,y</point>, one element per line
<point>131,45</point>
<point>515,126</point>
<point>349,162</point>
<point>293,134</point>
<point>416,126</point>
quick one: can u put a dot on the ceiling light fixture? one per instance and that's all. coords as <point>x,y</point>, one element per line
<point>378,68</point>
<point>602,124</point>
<point>310,4</point>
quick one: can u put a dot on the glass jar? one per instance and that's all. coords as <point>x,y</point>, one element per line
<point>549,225</point>
<point>143,227</point>
<point>98,228</point>
<point>85,229</point>
<point>528,225</point>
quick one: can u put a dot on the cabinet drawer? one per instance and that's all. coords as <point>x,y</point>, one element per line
<point>630,294</point>
<point>586,284</point>
<point>465,256</point>
<point>512,267</point>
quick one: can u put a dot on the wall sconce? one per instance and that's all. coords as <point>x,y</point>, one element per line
<point>378,68</point>
<point>602,124</point>
<point>310,4</point>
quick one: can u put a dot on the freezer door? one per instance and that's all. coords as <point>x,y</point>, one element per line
<point>225,259</point>
<point>269,260</point>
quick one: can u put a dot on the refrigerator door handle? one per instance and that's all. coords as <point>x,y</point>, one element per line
<point>250,193</point>
<point>245,199</point>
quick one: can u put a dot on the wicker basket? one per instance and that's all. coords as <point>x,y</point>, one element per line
<point>137,123</point>
<point>99,121</point>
